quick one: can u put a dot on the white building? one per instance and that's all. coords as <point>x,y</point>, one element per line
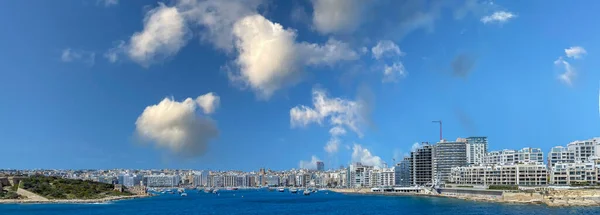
<point>584,149</point>
<point>359,175</point>
<point>476,150</point>
<point>162,180</point>
<point>574,173</point>
<point>388,177</point>
<point>526,174</point>
<point>560,154</point>
<point>508,156</point>
<point>505,156</point>
<point>530,155</point>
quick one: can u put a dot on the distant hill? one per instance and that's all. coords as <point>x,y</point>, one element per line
<point>62,188</point>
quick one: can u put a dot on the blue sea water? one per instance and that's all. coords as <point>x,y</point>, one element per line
<point>265,202</point>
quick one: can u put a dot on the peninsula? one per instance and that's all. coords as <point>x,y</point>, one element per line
<point>50,189</point>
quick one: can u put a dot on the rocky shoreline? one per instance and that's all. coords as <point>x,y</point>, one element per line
<point>70,201</point>
<point>560,198</point>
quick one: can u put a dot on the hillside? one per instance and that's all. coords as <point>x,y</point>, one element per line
<point>61,188</point>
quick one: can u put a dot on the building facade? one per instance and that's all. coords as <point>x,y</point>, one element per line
<point>421,165</point>
<point>320,166</point>
<point>447,155</point>
<point>476,149</point>
<point>532,174</point>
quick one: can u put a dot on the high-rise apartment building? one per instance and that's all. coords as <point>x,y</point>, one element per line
<point>421,164</point>
<point>476,149</point>
<point>320,166</point>
<point>446,155</point>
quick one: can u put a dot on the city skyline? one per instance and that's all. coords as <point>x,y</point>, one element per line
<point>170,85</point>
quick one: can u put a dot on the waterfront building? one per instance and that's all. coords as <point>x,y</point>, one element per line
<point>200,179</point>
<point>320,166</point>
<point>574,174</point>
<point>530,155</point>
<point>508,156</point>
<point>476,149</point>
<point>272,180</point>
<point>524,174</point>
<point>505,156</point>
<point>359,175</point>
<point>421,165</point>
<point>559,154</point>
<point>583,149</point>
<point>387,177</point>
<point>131,180</point>
<point>162,180</point>
<point>446,155</point>
<point>402,173</point>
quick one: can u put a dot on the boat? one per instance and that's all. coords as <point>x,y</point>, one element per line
<point>293,190</point>
<point>208,190</point>
<point>216,191</point>
<point>271,189</point>
<point>181,190</point>
<point>281,190</point>
<point>314,191</point>
<point>183,194</point>
<point>235,188</point>
<point>306,192</point>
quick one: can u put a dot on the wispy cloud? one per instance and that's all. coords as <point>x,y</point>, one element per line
<point>76,55</point>
<point>312,164</point>
<point>575,52</point>
<point>498,17</point>
<point>108,3</point>
<point>570,73</point>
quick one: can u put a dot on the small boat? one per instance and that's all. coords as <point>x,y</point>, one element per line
<point>281,190</point>
<point>314,191</point>
<point>208,190</point>
<point>293,190</point>
<point>235,188</point>
<point>306,192</point>
<point>180,190</point>
<point>216,191</point>
<point>183,194</point>
<point>271,189</point>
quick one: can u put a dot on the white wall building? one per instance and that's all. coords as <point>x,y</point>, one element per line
<point>574,173</point>
<point>476,150</point>
<point>531,174</point>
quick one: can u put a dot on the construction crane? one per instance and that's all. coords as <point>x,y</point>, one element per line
<point>440,122</point>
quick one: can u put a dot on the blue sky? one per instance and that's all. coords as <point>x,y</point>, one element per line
<point>103,84</point>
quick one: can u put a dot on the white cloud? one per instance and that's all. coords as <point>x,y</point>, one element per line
<point>108,3</point>
<point>364,156</point>
<point>113,54</point>
<point>385,47</point>
<point>337,131</point>
<point>394,72</point>
<point>217,17</point>
<point>177,127</point>
<point>337,16</point>
<point>312,164</point>
<point>165,33</point>
<point>332,145</point>
<point>569,74</point>
<point>575,52</point>
<point>209,102</point>
<point>498,17</point>
<point>269,58</point>
<point>73,55</point>
<point>339,112</point>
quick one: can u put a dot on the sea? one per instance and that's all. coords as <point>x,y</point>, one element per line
<point>261,201</point>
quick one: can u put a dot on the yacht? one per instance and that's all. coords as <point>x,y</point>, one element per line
<point>216,191</point>
<point>183,194</point>
<point>281,189</point>
<point>306,192</point>
<point>293,190</point>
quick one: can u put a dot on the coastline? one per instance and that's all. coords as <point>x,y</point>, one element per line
<point>567,198</point>
<point>71,201</point>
